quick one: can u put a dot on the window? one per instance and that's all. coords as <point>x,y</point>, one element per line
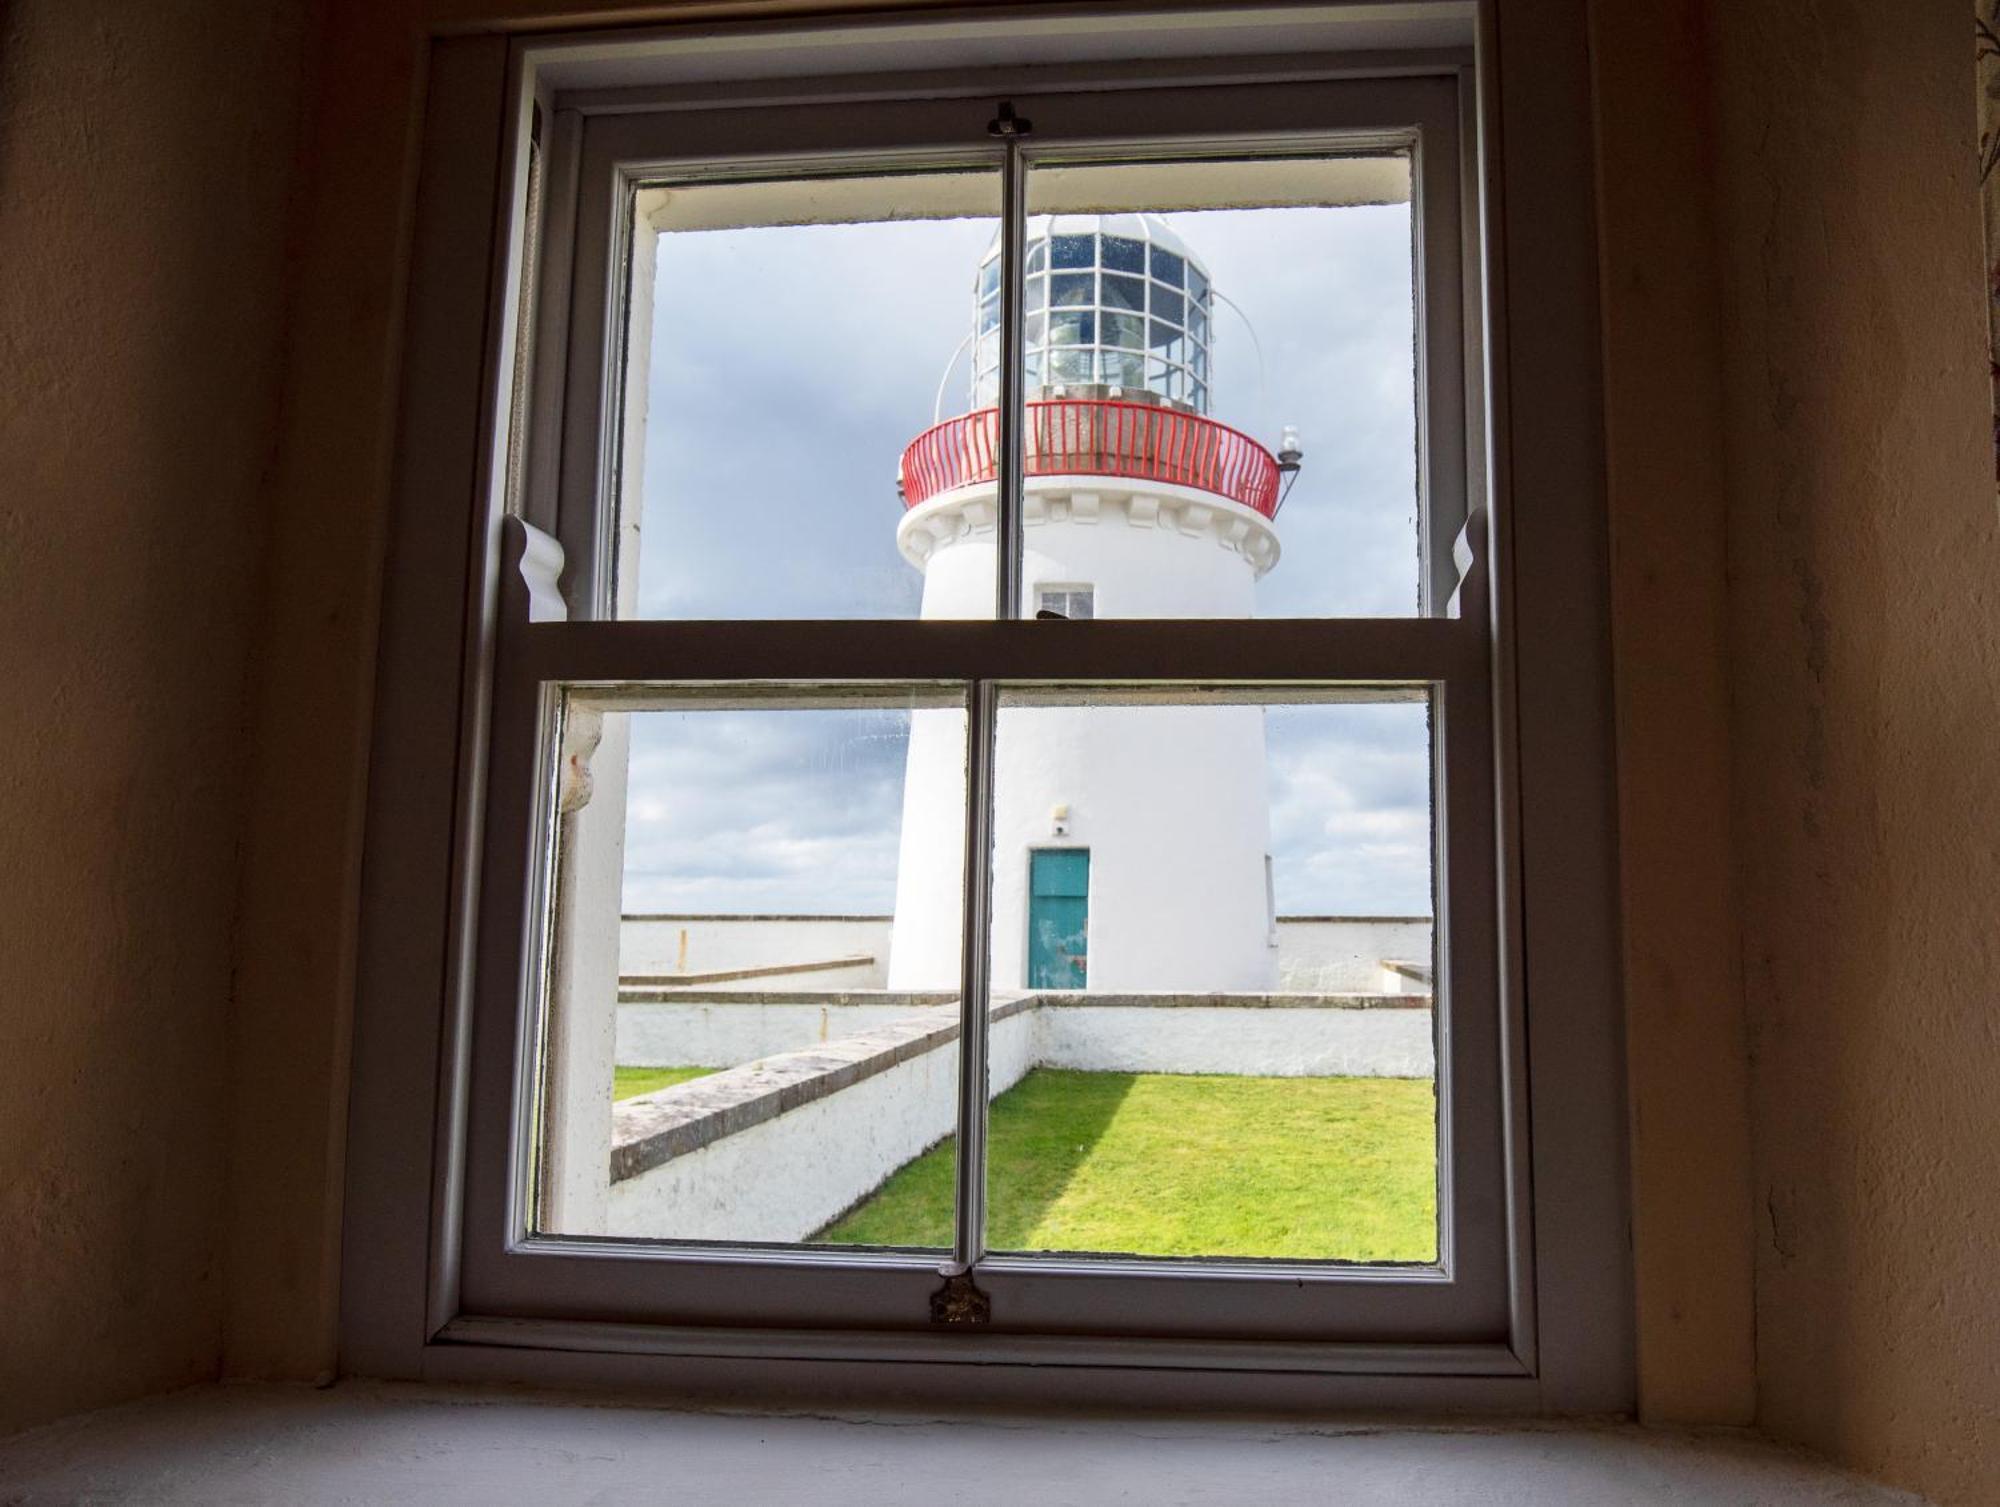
<point>877,1103</point>
<point>815,891</point>
<point>1075,602</point>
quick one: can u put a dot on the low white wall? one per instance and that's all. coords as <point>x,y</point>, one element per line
<point>788,1176</point>
<point>1344,954</point>
<point>1316,954</point>
<point>720,1032</point>
<point>651,945</point>
<point>1253,1041</point>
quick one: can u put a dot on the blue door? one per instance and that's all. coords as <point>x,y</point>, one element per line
<point>1058,917</point>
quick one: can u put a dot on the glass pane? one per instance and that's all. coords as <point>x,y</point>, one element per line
<point>799,338</point>
<point>1069,368</point>
<point>1070,289</point>
<point>752,1015</point>
<point>1119,369</point>
<point>1038,293</point>
<point>1281,301</point>
<point>1073,251</point>
<point>1215,909</point>
<point>1072,327</point>
<point>1124,254</point>
<point>1124,293</point>
<point>1128,330</point>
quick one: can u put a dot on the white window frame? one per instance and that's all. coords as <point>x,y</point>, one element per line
<point>441,1303</point>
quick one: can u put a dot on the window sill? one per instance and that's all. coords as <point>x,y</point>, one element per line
<point>435,1445</point>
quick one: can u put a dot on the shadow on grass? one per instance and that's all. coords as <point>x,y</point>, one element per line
<point>1039,1134</point>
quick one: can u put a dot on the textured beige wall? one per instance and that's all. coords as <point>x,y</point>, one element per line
<point>145,162</point>
<point>1689,1095</point>
<point>1863,553</point>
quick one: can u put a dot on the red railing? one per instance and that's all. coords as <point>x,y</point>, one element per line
<point>1097,437</point>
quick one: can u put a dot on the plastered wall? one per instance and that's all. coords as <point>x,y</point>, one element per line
<point>1665,475</point>
<point>1865,685</point>
<point>146,164</point>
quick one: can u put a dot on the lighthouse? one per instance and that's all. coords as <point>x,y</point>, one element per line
<point>1131,839</point>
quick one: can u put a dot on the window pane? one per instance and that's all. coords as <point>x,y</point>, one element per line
<point>1073,251</point>
<point>1123,254</point>
<point>1072,327</point>
<point>1216,909</point>
<point>793,347</point>
<point>1281,296</point>
<point>1119,369</point>
<point>1037,294</point>
<point>1070,368</point>
<point>1128,330</point>
<point>755,940</point>
<point>1124,293</point>
<point>1070,289</point>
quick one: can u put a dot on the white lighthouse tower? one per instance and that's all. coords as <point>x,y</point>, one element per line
<point>1131,843</point>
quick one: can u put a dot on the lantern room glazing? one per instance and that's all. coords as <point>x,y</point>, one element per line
<point>1114,304</point>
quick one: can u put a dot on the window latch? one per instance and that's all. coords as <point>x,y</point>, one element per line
<point>960,1300</point>
<point>1007,123</point>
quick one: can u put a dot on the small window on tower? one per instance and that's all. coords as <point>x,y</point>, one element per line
<point>1065,601</point>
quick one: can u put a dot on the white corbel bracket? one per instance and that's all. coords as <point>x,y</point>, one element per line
<point>1469,553</point>
<point>531,585</point>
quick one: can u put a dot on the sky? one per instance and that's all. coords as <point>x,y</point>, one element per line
<point>790,366</point>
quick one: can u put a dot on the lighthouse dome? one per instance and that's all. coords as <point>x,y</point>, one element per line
<point>1116,305</point>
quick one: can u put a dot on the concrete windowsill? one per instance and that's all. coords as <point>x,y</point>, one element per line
<point>389,1445</point>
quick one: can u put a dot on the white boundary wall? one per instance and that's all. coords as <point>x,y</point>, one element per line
<point>788,1176</point>
<point>650,946</point>
<point>716,1032</point>
<point>1315,954</point>
<point>1339,954</point>
<point>1376,1035</point>
<point>1272,1042</point>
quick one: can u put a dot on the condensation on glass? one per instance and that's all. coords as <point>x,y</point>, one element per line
<point>734,1048</point>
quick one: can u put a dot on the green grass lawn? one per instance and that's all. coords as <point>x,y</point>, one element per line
<point>634,1081</point>
<point>1165,1165</point>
